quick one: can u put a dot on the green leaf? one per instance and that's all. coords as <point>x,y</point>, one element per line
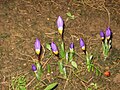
<point>69,14</point>
<point>64,70</point>
<point>92,67</point>
<point>67,57</point>
<point>51,86</point>
<point>37,76</point>
<point>91,56</point>
<point>62,46</point>
<point>70,56</point>
<point>39,70</point>
<point>38,66</point>
<point>89,88</point>
<point>74,64</point>
<point>62,51</point>
<point>22,88</point>
<point>89,67</point>
<point>48,46</point>
<point>60,67</point>
<point>97,72</point>
<point>48,68</point>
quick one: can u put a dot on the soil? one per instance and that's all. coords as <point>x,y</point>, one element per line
<point>22,21</point>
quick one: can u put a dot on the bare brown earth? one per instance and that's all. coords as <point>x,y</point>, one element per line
<point>22,21</point>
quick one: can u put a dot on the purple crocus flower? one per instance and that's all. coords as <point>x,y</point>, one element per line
<point>60,25</point>
<point>108,33</point>
<point>71,47</point>
<point>82,44</point>
<point>102,35</point>
<point>37,46</point>
<point>54,48</point>
<point>34,68</point>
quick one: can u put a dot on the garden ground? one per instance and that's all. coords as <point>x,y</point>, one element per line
<point>22,21</point>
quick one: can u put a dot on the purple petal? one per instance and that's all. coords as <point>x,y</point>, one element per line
<point>108,33</point>
<point>59,22</point>
<point>54,47</point>
<point>102,35</point>
<point>37,46</point>
<point>71,45</point>
<point>82,44</point>
<point>34,67</point>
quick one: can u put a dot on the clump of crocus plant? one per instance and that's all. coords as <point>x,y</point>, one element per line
<point>89,57</point>
<point>37,46</point>
<point>37,68</point>
<point>60,25</point>
<point>106,42</point>
<point>60,52</point>
<point>71,55</point>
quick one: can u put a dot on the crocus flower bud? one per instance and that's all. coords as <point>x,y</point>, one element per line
<point>82,44</point>
<point>37,46</point>
<point>71,47</point>
<point>54,48</point>
<point>34,68</point>
<point>108,33</point>
<point>60,25</point>
<point>102,35</point>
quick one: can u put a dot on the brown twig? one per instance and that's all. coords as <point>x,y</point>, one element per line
<point>30,82</point>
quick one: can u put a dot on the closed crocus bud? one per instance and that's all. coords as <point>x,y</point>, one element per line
<point>82,44</point>
<point>34,68</point>
<point>60,25</point>
<point>71,47</point>
<point>37,46</point>
<point>108,33</point>
<point>102,35</point>
<point>54,48</point>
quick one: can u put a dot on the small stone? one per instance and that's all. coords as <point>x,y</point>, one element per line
<point>48,19</point>
<point>25,64</point>
<point>107,68</point>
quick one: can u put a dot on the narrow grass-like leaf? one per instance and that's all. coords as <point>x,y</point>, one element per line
<point>97,72</point>
<point>91,56</point>
<point>62,46</point>
<point>51,86</point>
<point>70,56</point>
<point>67,57</point>
<point>60,67</point>
<point>92,67</point>
<point>39,71</point>
<point>64,70</point>
<point>62,51</point>
<point>48,68</point>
